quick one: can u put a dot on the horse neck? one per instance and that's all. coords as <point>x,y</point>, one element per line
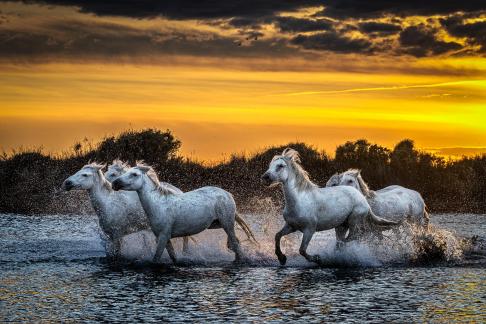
<point>291,193</point>
<point>98,194</point>
<point>149,196</point>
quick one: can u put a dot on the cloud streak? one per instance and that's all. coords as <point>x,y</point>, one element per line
<point>392,88</point>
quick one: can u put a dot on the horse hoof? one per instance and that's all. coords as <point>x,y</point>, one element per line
<point>316,259</point>
<point>282,259</point>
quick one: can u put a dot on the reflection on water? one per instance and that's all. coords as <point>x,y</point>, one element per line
<point>53,269</point>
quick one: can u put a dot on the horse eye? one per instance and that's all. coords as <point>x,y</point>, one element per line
<point>85,175</point>
<point>279,167</point>
<point>350,181</point>
<point>133,174</point>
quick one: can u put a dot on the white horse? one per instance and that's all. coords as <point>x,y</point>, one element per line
<point>175,215</point>
<point>119,213</point>
<point>117,168</point>
<point>394,202</point>
<point>309,209</point>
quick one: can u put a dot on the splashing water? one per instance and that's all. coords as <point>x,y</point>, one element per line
<point>408,245</point>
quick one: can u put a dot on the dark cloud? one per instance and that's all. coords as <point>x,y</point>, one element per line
<point>183,9</point>
<point>203,9</point>
<point>372,27</point>
<point>245,22</point>
<point>293,24</point>
<point>332,41</point>
<point>77,40</point>
<point>379,8</point>
<point>421,41</point>
<point>475,32</point>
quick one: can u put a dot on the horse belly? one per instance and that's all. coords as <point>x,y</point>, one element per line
<point>333,215</point>
<point>325,224</point>
<point>392,208</point>
<point>192,223</point>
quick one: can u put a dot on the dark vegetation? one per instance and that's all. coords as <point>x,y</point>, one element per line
<point>30,180</point>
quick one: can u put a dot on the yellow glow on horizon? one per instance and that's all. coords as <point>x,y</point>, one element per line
<point>372,104</point>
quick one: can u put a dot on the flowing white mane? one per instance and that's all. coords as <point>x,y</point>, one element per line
<point>152,175</point>
<point>367,192</point>
<point>292,158</point>
<point>119,166</point>
<point>97,167</point>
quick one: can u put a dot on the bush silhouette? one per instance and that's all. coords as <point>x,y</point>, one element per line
<point>31,180</point>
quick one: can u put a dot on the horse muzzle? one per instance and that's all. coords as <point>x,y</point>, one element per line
<point>67,185</point>
<point>117,185</point>
<point>266,179</point>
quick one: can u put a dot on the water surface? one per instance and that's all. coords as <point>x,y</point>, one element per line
<point>53,268</point>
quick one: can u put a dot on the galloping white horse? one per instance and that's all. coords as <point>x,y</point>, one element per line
<point>119,213</point>
<point>175,215</point>
<point>117,168</point>
<point>394,202</point>
<point>309,208</point>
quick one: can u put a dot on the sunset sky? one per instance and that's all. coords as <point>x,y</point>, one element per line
<point>236,76</point>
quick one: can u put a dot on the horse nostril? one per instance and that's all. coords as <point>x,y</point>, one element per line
<point>265,177</point>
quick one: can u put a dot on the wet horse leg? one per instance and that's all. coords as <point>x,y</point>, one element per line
<point>162,240</point>
<point>185,245</point>
<point>306,238</point>
<point>228,225</point>
<point>340,235</point>
<point>286,230</point>
<point>170,250</point>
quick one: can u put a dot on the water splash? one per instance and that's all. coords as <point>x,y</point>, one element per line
<point>408,245</point>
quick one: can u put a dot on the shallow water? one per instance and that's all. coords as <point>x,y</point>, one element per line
<point>53,268</point>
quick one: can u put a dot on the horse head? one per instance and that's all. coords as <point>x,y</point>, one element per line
<point>85,178</point>
<point>116,169</point>
<point>286,166</point>
<point>279,168</point>
<point>353,178</point>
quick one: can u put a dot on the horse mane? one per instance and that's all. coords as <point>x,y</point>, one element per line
<point>152,175</point>
<point>98,167</point>
<point>302,180</point>
<point>367,192</point>
<point>119,165</point>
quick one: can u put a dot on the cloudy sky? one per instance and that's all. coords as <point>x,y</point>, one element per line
<point>236,76</point>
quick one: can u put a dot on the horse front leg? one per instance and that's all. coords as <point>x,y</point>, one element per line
<point>116,248</point>
<point>162,240</point>
<point>171,251</point>
<point>286,230</point>
<point>340,235</point>
<point>306,238</point>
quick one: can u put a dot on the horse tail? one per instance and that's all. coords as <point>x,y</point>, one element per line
<point>244,226</point>
<point>376,220</point>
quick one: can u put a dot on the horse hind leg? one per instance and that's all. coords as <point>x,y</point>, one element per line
<point>185,245</point>
<point>232,242</point>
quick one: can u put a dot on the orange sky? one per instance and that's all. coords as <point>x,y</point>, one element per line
<point>219,105</point>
